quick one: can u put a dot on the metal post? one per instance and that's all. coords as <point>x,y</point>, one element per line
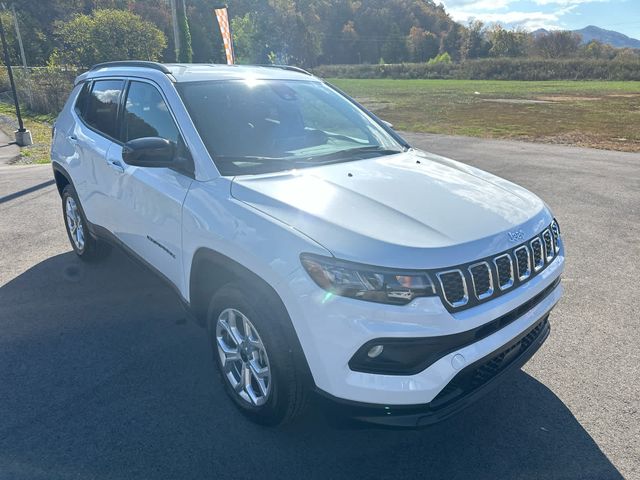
<point>15,22</point>
<point>176,30</point>
<point>23,136</point>
<point>24,57</point>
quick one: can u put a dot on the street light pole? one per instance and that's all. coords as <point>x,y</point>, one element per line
<point>23,136</point>
<point>176,28</point>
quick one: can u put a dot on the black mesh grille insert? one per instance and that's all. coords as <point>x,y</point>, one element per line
<point>522,260</point>
<point>505,277</point>
<point>453,287</point>
<point>481,279</point>
<point>548,244</point>
<point>536,247</point>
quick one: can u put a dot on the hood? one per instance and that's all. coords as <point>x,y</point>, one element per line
<point>410,210</point>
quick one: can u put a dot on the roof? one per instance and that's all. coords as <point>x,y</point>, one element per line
<point>194,72</point>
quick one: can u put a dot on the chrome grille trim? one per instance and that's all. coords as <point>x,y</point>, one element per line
<point>555,230</point>
<point>527,273</point>
<point>537,266</point>
<point>465,299</point>
<point>489,292</point>
<point>508,284</point>
<point>459,289</point>
<point>549,247</point>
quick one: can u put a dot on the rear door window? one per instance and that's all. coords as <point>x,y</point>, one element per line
<point>102,106</point>
<point>146,114</point>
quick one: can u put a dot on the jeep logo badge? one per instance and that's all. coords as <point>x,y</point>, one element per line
<point>516,236</point>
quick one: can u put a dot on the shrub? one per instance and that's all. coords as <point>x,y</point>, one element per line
<point>495,69</point>
<point>40,89</point>
<point>442,58</point>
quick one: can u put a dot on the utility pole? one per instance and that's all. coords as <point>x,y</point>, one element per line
<point>15,22</point>
<point>22,55</point>
<point>23,136</point>
<point>176,30</point>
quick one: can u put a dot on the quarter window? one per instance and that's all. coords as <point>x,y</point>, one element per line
<point>82,100</point>
<point>102,108</point>
<point>146,114</point>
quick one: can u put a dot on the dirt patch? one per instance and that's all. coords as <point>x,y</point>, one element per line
<point>619,144</point>
<point>624,95</point>
<point>516,101</point>
<point>567,98</point>
<point>375,104</point>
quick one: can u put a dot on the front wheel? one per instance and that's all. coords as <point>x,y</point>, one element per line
<point>254,358</point>
<point>83,244</point>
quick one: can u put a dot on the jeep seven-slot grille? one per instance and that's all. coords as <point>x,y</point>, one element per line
<point>465,286</point>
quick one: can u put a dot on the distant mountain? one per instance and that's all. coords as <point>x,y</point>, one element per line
<point>615,39</point>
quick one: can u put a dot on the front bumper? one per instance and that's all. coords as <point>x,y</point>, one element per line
<point>468,386</point>
<point>331,329</point>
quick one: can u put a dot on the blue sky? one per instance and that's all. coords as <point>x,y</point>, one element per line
<point>620,15</point>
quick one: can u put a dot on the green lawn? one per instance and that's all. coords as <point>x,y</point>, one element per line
<point>592,114</point>
<point>40,127</point>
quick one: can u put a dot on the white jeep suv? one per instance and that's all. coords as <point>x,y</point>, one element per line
<point>322,252</point>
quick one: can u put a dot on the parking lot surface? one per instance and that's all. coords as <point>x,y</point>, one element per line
<point>101,375</point>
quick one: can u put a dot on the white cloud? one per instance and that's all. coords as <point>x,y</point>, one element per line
<point>492,11</point>
<point>527,20</point>
<point>477,4</point>
<point>566,2</point>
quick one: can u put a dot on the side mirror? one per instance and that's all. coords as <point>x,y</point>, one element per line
<point>387,124</point>
<point>149,152</point>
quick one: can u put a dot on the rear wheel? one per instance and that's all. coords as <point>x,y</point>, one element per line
<point>254,358</point>
<point>84,245</point>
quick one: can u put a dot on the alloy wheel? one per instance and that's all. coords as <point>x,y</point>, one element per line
<point>74,222</point>
<point>243,357</point>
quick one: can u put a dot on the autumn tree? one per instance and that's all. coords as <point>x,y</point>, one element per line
<point>557,44</point>
<point>474,41</point>
<point>421,45</point>
<point>507,43</point>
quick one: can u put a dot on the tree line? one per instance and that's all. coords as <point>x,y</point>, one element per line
<point>301,32</point>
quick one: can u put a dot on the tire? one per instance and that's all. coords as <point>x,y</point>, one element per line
<point>268,346</point>
<point>83,243</point>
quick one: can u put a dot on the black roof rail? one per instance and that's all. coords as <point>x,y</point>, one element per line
<point>133,63</point>
<point>288,67</point>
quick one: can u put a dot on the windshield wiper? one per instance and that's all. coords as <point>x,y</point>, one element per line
<point>352,153</point>
<point>251,158</point>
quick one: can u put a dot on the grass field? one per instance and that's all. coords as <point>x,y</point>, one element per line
<point>40,127</point>
<point>590,113</point>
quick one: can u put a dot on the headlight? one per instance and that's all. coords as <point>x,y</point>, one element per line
<point>364,282</point>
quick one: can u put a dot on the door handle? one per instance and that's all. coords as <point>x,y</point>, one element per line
<point>72,138</point>
<point>116,165</point>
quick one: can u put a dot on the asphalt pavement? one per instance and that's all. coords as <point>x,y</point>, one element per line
<point>101,376</point>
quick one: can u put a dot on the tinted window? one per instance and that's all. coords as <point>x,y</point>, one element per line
<point>102,108</point>
<point>147,115</point>
<point>83,98</point>
<point>255,126</point>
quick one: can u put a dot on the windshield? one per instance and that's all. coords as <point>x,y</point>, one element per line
<point>258,126</point>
